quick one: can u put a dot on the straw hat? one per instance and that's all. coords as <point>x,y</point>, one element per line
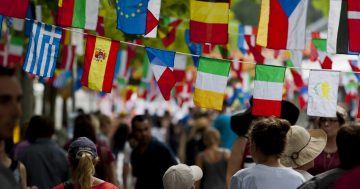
<point>181,176</point>
<point>302,146</point>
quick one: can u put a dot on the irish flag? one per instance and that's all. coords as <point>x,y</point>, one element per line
<point>99,63</point>
<point>282,24</point>
<point>268,88</point>
<point>211,80</point>
<point>78,13</point>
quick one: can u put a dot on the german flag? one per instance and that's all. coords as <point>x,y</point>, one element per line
<point>209,21</point>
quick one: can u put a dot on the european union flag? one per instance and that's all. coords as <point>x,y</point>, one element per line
<point>131,16</point>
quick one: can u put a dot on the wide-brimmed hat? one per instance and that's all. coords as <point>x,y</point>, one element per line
<point>181,176</point>
<point>302,146</point>
<point>240,121</point>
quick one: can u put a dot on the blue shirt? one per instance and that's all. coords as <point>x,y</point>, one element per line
<point>222,124</point>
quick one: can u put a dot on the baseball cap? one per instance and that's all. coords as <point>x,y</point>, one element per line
<point>181,176</point>
<point>82,144</point>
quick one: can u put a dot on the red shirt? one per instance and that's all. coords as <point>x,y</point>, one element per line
<point>104,185</point>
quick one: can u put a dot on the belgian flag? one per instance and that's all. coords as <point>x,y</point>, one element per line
<point>209,21</point>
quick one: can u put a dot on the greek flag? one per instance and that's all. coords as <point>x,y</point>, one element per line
<point>43,49</point>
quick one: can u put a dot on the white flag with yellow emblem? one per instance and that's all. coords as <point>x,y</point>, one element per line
<point>323,91</point>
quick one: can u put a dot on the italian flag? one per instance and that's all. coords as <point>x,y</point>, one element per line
<point>268,88</point>
<point>211,80</point>
<point>78,13</point>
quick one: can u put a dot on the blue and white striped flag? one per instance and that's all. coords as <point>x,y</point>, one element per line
<point>43,49</point>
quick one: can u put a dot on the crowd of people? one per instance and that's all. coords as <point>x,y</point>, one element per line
<point>204,150</point>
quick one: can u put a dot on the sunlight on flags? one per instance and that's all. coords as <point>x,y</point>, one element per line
<point>323,92</point>
<point>211,80</point>
<point>43,49</point>
<point>99,63</point>
<point>14,8</point>
<point>209,21</point>
<point>138,17</point>
<point>78,13</point>
<point>268,88</point>
<point>282,24</point>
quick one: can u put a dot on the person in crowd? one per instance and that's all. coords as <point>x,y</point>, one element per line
<point>347,141</point>
<point>83,157</point>
<point>128,179</point>
<point>302,148</point>
<point>222,124</point>
<point>213,161</point>
<point>240,123</point>
<point>150,158</point>
<point>105,128</point>
<point>84,126</point>
<point>182,176</point>
<point>10,112</point>
<point>45,161</point>
<point>329,157</point>
<point>268,140</point>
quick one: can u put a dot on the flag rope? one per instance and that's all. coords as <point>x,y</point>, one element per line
<point>189,54</point>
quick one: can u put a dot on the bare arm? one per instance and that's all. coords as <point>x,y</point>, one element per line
<point>23,179</point>
<point>236,158</point>
<point>199,162</point>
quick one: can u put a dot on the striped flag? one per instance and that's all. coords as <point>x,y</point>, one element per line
<point>338,39</point>
<point>68,57</point>
<point>4,55</point>
<point>211,81</point>
<point>323,92</point>
<point>99,63</point>
<point>268,88</point>
<point>152,18</point>
<point>78,13</point>
<point>209,21</point>
<point>324,59</point>
<point>14,8</point>
<point>246,30</point>
<point>16,49</point>
<point>282,24</point>
<point>180,62</point>
<point>43,49</point>
<point>354,25</point>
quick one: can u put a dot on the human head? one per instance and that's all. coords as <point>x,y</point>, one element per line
<point>268,136</point>
<point>348,142</point>
<point>40,127</point>
<point>141,129</point>
<point>302,146</point>
<point>331,126</point>
<point>84,127</point>
<point>83,157</point>
<point>181,176</point>
<point>105,123</point>
<point>10,106</point>
<point>211,137</point>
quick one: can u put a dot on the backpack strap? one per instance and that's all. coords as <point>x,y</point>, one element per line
<point>68,185</point>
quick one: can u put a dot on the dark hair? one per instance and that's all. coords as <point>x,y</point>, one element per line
<point>84,127</point>
<point>348,141</point>
<point>40,127</point>
<point>269,135</point>
<point>6,71</point>
<point>137,118</point>
<point>120,137</point>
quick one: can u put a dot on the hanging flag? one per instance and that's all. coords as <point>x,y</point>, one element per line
<point>4,55</point>
<point>170,36</point>
<point>255,50</point>
<point>338,37</point>
<point>282,24</point>
<point>77,39</point>
<point>268,88</point>
<point>16,49</point>
<point>323,91</point>
<point>62,79</point>
<point>350,83</point>
<point>353,13</point>
<point>14,8</point>
<point>68,57</point>
<point>138,17</point>
<point>162,65</point>
<point>211,81</point>
<point>99,63</point>
<point>324,59</point>
<point>180,62</point>
<point>246,30</point>
<point>303,97</point>
<point>100,26</point>
<point>195,49</point>
<point>355,67</point>
<point>78,13</point>
<point>1,21</point>
<point>43,49</point>
<point>209,21</point>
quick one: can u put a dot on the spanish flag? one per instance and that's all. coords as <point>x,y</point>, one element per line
<point>99,63</point>
<point>209,21</point>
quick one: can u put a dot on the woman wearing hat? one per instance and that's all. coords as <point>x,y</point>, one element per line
<point>268,140</point>
<point>329,157</point>
<point>302,148</point>
<point>83,157</point>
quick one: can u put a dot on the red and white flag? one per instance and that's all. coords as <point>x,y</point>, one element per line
<point>354,25</point>
<point>68,57</point>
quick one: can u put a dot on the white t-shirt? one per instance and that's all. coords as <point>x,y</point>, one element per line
<point>265,177</point>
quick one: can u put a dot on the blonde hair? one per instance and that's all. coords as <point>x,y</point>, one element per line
<point>85,169</point>
<point>211,137</point>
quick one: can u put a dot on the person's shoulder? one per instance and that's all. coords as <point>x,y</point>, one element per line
<point>59,186</point>
<point>105,185</point>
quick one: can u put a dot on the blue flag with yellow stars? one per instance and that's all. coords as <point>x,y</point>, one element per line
<point>131,16</point>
